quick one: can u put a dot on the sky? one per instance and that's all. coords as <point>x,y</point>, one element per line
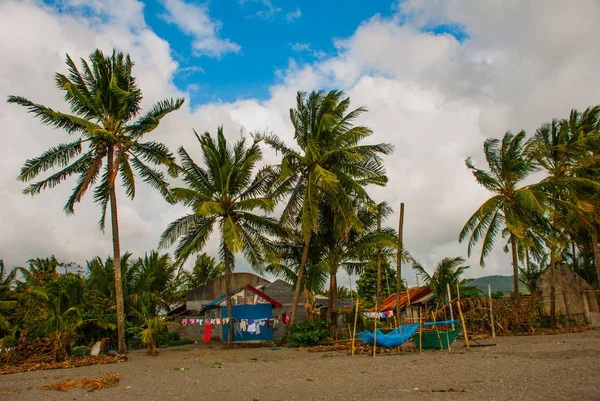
<point>438,78</point>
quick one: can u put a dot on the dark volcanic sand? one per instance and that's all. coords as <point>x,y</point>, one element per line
<point>557,367</point>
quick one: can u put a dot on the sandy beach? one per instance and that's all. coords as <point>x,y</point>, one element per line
<point>553,367</point>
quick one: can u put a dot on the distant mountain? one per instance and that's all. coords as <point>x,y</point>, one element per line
<point>498,283</point>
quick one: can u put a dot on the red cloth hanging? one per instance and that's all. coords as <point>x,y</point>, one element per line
<point>207,330</point>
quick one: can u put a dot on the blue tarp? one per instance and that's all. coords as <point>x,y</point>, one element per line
<point>399,335</point>
<point>394,338</point>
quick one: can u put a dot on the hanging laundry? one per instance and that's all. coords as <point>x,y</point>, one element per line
<point>207,331</point>
<point>184,322</point>
<point>286,318</point>
<point>192,321</point>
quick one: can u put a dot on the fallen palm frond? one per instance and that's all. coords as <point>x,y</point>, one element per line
<point>107,380</point>
<point>29,366</point>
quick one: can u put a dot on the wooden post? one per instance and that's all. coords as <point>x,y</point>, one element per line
<point>491,310</point>
<point>355,319</point>
<point>375,331</point>
<point>450,304</point>
<point>420,330</point>
<point>399,262</point>
<point>464,325</point>
<point>553,307</point>
<point>378,295</point>
<point>436,330</point>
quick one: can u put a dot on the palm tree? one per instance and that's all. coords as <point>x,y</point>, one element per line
<point>352,248</point>
<point>330,163</point>
<point>568,151</point>
<point>224,193</point>
<point>205,269</point>
<point>447,272</point>
<point>153,274</point>
<point>515,208</point>
<point>6,300</point>
<point>104,100</point>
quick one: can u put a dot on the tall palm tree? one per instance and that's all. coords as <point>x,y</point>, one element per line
<point>328,163</point>
<point>104,100</point>
<point>352,248</point>
<point>447,272</point>
<point>513,207</point>
<point>568,152</point>
<point>224,193</point>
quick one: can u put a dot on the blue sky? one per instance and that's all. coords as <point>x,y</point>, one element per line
<point>265,34</point>
<point>266,41</point>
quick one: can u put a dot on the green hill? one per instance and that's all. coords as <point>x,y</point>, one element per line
<point>499,283</point>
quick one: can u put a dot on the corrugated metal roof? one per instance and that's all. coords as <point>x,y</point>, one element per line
<point>343,304</point>
<point>247,287</point>
<point>417,295</point>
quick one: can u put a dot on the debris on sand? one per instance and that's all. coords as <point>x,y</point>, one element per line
<point>107,380</point>
<point>36,364</point>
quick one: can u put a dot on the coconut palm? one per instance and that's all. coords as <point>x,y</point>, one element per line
<point>351,247</point>
<point>6,300</point>
<point>568,152</point>
<point>224,193</point>
<point>512,207</point>
<point>447,272</point>
<point>329,163</point>
<point>104,100</point>
<point>205,269</point>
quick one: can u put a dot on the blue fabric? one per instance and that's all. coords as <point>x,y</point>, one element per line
<point>394,338</point>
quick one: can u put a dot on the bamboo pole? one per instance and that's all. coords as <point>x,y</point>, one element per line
<point>420,330</point>
<point>450,304</point>
<point>436,330</point>
<point>375,332</point>
<point>464,325</point>
<point>354,332</point>
<point>491,311</point>
<point>399,262</point>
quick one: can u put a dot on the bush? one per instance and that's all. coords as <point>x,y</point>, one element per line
<point>307,333</point>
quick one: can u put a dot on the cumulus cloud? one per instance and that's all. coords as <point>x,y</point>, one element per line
<point>293,15</point>
<point>433,96</point>
<point>193,20</point>
<point>268,10</point>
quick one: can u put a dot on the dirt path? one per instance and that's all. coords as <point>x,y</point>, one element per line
<point>560,367</point>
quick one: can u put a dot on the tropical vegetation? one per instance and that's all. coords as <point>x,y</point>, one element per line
<point>543,207</point>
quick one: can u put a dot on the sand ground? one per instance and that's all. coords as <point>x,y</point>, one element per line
<point>557,367</point>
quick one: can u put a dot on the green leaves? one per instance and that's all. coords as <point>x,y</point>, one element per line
<point>103,98</point>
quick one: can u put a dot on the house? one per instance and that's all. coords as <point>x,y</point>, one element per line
<point>284,293</point>
<point>252,311</point>
<point>411,301</point>
<point>201,296</point>
<point>565,292</point>
<point>251,291</point>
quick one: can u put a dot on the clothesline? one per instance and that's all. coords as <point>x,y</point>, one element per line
<point>379,315</point>
<point>272,321</point>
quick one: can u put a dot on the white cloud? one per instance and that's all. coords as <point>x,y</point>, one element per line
<point>435,98</point>
<point>193,20</point>
<point>300,47</point>
<point>268,12</point>
<point>293,15</point>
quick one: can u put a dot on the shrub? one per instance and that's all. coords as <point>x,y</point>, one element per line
<point>307,333</point>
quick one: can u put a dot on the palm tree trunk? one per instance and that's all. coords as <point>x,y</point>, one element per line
<point>596,251</point>
<point>121,347</point>
<point>399,262</point>
<point>228,295</point>
<point>515,263</point>
<point>331,297</point>
<point>298,288</point>
<point>378,295</point>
